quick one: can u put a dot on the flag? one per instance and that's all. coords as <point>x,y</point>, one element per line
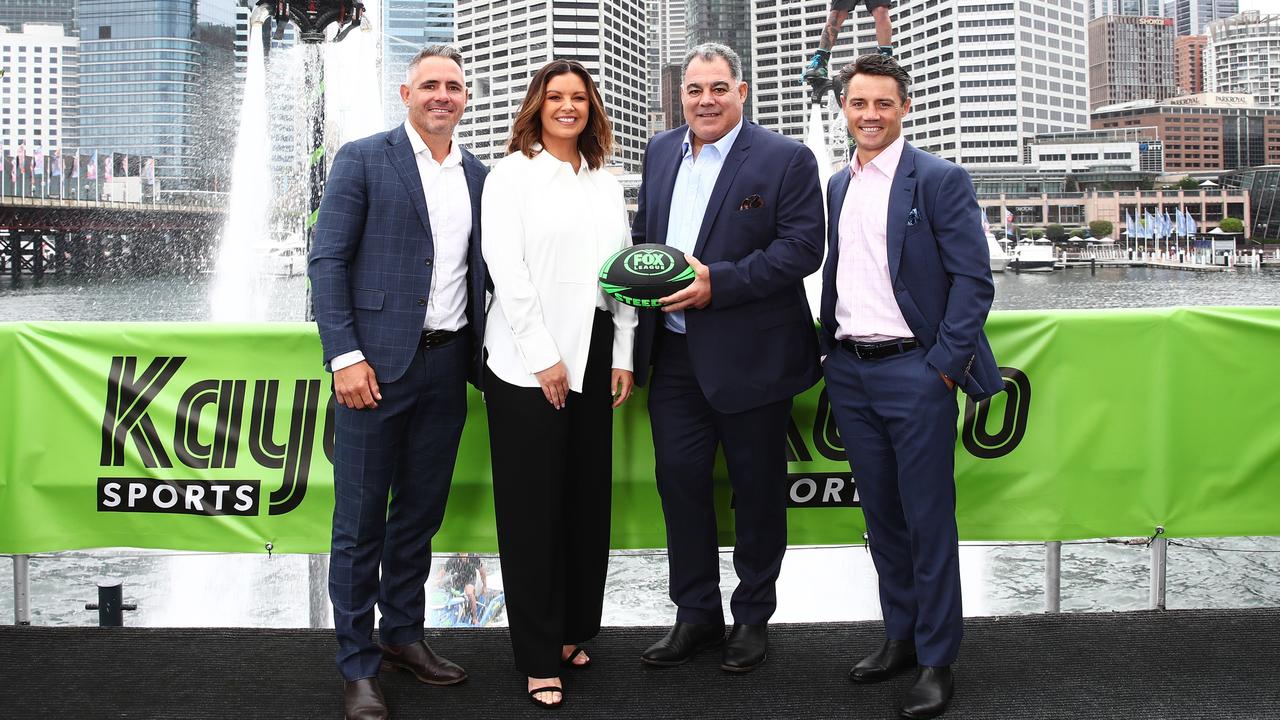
<point>75,165</point>
<point>56,170</point>
<point>91,172</point>
<point>149,171</point>
<point>13,168</point>
<point>22,158</point>
<point>1168,224</point>
<point>1177,221</point>
<point>1149,224</point>
<point>37,161</point>
<point>1129,230</point>
<point>108,172</point>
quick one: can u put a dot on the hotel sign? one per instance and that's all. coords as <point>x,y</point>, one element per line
<point>1154,21</point>
<point>1212,99</point>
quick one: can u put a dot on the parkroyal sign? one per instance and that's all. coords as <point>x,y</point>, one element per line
<point>1211,99</point>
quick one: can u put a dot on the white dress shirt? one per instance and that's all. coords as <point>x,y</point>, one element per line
<point>866,307</point>
<point>695,180</point>
<point>547,231</point>
<point>444,184</point>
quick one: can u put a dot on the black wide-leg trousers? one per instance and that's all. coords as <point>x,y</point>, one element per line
<point>552,487</point>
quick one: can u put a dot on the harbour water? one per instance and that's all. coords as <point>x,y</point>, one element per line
<point>817,584</point>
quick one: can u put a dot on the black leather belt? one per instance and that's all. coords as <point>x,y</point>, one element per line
<point>883,349</point>
<point>436,338</point>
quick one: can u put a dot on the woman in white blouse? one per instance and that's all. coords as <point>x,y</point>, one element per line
<point>558,361</point>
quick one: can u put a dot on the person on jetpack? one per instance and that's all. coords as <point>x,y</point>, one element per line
<point>815,72</point>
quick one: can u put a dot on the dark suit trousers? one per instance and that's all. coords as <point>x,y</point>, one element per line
<point>897,421</point>
<point>405,450</point>
<point>552,486</point>
<point>686,432</point>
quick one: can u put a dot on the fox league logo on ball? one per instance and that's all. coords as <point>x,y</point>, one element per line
<point>650,262</point>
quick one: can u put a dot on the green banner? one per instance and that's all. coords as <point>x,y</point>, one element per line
<point>200,436</point>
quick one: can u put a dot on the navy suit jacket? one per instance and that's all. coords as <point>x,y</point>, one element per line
<point>939,265</point>
<point>370,264</point>
<point>755,343</point>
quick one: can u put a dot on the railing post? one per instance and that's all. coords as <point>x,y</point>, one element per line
<point>1159,562</point>
<point>21,590</point>
<point>318,590</point>
<point>1053,576</point>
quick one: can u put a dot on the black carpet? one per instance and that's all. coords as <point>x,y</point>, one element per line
<point>1219,664</point>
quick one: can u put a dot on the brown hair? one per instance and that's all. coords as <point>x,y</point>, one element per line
<point>596,140</point>
<point>874,64</point>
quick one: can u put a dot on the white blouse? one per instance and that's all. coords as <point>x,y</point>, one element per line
<point>546,232</point>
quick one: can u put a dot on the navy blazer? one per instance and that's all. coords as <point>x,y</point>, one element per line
<point>370,264</point>
<point>939,265</point>
<point>755,343</point>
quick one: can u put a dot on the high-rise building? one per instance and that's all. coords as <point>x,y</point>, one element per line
<point>667,46</point>
<point>1203,133</point>
<point>407,27</point>
<point>140,71</point>
<point>727,22</point>
<point>16,13</point>
<point>1143,8</point>
<point>1188,63</point>
<point>504,42</point>
<point>1130,58</point>
<point>1002,71</point>
<point>39,64</point>
<point>1192,17</point>
<point>1243,56</point>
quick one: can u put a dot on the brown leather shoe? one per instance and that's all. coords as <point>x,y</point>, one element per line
<point>425,665</point>
<point>362,700</point>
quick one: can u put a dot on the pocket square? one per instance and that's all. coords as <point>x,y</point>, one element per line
<point>913,217</point>
<point>751,202</point>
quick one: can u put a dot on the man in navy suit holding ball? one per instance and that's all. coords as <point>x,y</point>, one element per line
<point>905,293</point>
<point>729,351</point>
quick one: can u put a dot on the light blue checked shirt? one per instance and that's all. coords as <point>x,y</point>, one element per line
<point>694,183</point>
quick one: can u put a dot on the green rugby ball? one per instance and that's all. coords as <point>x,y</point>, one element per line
<point>641,274</point>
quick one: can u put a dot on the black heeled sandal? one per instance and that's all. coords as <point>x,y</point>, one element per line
<point>569,663</point>
<point>534,693</point>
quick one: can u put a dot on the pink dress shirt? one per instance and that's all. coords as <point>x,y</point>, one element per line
<point>866,309</point>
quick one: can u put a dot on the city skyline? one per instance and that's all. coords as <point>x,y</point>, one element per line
<point>776,101</point>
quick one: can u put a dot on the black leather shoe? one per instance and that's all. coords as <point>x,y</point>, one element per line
<point>747,647</point>
<point>892,658</point>
<point>362,700</point>
<point>683,642</point>
<point>425,665</point>
<point>929,696</point>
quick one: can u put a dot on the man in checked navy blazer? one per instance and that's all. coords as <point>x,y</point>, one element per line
<point>729,352</point>
<point>905,292</point>
<point>398,285</point>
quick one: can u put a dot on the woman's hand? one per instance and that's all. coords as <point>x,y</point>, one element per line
<point>554,382</point>
<point>621,382</point>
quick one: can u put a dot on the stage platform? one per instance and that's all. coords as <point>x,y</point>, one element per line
<point>1219,664</point>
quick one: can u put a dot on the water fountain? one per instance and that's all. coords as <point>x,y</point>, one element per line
<point>240,292</point>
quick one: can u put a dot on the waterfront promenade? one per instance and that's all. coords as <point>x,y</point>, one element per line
<point>1183,665</point>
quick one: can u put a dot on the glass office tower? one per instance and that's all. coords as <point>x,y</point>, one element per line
<point>139,78</point>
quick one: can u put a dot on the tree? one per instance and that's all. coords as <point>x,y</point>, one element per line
<point>1231,225</point>
<point>1055,232</point>
<point>1187,183</point>
<point>1035,233</point>
<point>1101,228</point>
<point>1078,233</point>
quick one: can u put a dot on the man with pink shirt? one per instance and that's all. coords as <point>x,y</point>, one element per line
<point>905,292</point>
